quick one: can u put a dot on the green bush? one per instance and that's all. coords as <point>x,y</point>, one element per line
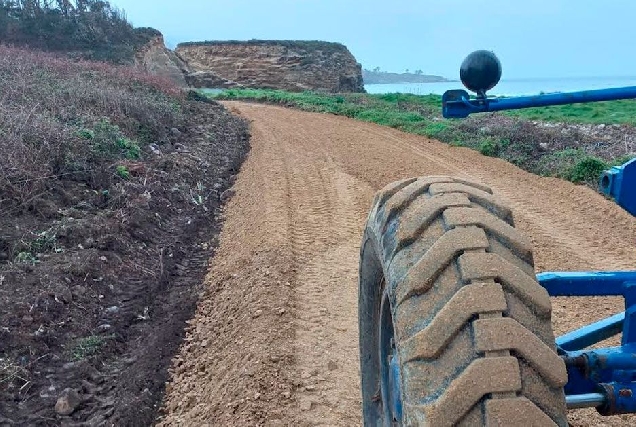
<point>588,169</point>
<point>488,147</point>
<point>108,140</point>
<point>130,149</point>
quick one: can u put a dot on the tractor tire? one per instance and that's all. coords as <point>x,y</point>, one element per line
<point>470,327</point>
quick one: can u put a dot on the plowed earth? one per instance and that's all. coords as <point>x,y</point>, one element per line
<point>274,339</point>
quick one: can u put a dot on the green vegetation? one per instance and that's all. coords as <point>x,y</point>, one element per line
<point>30,248</point>
<point>516,141</point>
<point>83,348</point>
<point>122,172</point>
<point>608,112</point>
<point>310,45</point>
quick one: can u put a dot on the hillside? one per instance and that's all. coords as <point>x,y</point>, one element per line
<point>88,29</point>
<point>110,186</point>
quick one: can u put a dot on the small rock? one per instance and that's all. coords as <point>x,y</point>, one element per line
<point>306,405</point>
<point>543,146</point>
<point>175,131</point>
<point>155,150</point>
<point>281,311</point>
<point>104,327</point>
<point>63,294</point>
<point>310,387</point>
<point>79,290</point>
<point>103,258</point>
<point>68,402</point>
<point>257,313</point>
<point>257,396</point>
<point>112,310</point>
<point>286,394</point>
<point>332,366</point>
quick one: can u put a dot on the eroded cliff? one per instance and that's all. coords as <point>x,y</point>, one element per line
<point>288,65</point>
<point>156,58</point>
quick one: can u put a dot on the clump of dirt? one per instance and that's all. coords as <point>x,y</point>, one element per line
<point>96,284</point>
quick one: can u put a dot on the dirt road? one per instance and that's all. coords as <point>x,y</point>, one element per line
<point>274,341</point>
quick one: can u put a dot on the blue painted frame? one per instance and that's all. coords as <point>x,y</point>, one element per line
<point>607,373</point>
<point>605,377</point>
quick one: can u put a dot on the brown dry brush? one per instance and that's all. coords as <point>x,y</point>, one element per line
<point>50,108</point>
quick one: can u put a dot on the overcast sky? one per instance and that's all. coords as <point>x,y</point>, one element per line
<point>533,38</point>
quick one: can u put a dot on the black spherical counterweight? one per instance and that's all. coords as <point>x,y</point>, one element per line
<point>480,71</point>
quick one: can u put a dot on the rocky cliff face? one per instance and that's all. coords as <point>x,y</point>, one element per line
<point>156,58</point>
<point>289,65</point>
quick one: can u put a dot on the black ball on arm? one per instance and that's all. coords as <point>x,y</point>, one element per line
<point>480,71</point>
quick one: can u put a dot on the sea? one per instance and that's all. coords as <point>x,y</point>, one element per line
<point>510,87</point>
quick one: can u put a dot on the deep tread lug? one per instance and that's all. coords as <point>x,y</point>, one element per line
<point>475,266</point>
<point>470,300</point>
<point>515,412</point>
<point>482,377</point>
<point>442,253</point>
<point>506,333</point>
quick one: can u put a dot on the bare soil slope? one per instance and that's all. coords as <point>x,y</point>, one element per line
<point>274,340</point>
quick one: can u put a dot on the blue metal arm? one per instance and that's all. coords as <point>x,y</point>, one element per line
<point>457,103</point>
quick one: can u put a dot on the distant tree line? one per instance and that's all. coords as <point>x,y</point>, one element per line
<point>92,29</point>
<point>407,71</point>
<point>377,76</point>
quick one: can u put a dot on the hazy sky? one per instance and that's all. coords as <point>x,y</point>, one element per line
<point>533,38</point>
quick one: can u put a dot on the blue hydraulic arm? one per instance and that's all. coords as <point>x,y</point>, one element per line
<point>458,104</point>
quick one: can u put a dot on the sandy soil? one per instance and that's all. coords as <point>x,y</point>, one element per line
<point>274,340</point>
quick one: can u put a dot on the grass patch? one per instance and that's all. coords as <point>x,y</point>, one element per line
<point>122,172</point>
<point>607,112</point>
<point>83,348</point>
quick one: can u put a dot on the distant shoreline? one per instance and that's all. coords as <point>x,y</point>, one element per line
<point>406,83</point>
<point>371,77</point>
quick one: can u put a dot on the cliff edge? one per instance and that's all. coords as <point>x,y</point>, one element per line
<point>272,64</point>
<point>155,58</point>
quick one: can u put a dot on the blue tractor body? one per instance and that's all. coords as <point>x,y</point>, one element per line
<point>604,378</point>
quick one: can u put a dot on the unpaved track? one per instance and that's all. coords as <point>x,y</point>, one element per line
<point>274,341</point>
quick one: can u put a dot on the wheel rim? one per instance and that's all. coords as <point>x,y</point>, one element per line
<point>390,381</point>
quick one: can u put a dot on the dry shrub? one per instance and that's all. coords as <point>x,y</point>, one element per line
<point>49,106</point>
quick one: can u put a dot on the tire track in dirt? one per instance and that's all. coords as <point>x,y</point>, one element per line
<point>290,246</point>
